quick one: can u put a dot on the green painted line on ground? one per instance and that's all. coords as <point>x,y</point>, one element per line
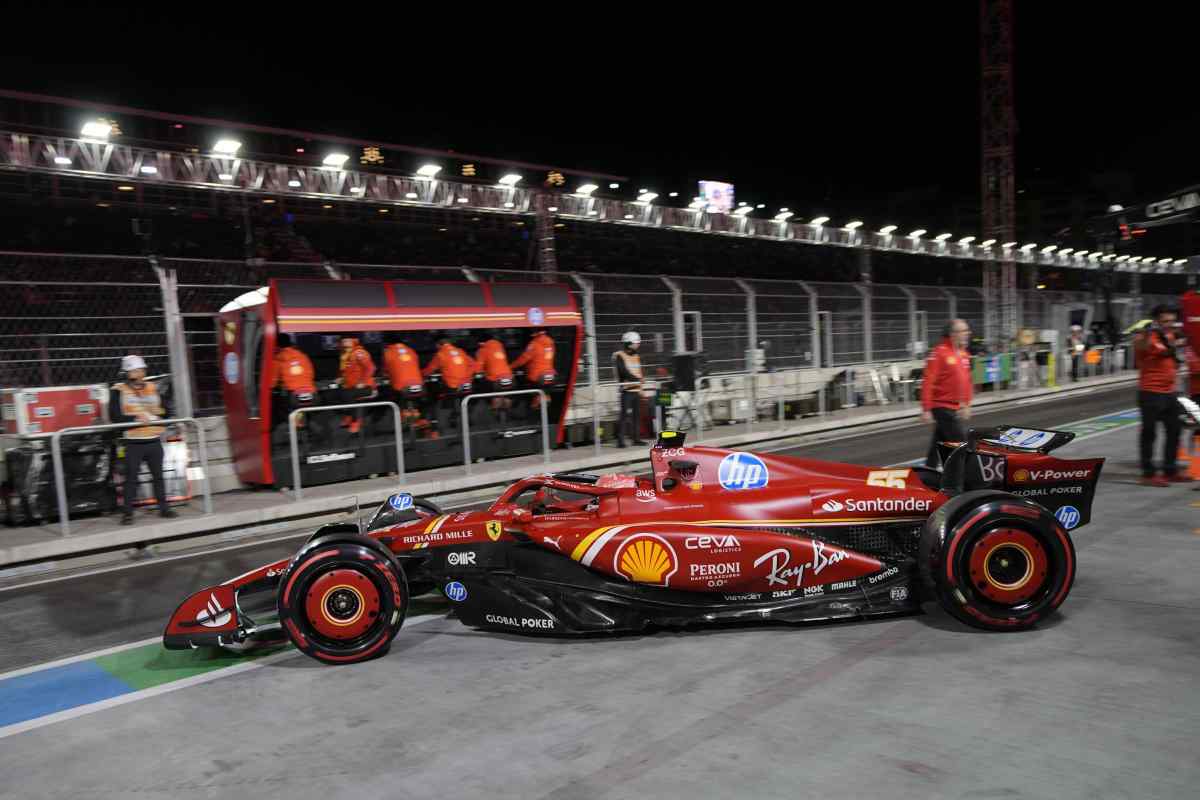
<point>153,665</point>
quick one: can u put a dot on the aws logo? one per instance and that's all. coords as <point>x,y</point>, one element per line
<point>646,558</point>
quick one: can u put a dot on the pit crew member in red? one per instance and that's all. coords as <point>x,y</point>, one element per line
<point>292,369</point>
<point>1158,377</point>
<point>357,378</point>
<point>538,361</point>
<point>403,368</point>
<point>946,388</point>
<point>136,399</point>
<point>458,369</point>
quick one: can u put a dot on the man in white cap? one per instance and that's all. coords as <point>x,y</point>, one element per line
<point>137,400</point>
<point>628,366</point>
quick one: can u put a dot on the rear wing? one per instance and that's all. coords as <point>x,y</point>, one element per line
<point>1029,440</point>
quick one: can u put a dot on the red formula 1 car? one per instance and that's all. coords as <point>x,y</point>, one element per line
<point>709,536</point>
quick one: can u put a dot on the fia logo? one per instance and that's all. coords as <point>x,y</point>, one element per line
<point>740,471</point>
<point>1068,516</point>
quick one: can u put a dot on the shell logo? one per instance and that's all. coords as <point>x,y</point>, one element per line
<point>1021,475</point>
<point>230,333</point>
<point>646,558</point>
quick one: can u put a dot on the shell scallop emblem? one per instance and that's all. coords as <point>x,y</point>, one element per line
<point>646,558</point>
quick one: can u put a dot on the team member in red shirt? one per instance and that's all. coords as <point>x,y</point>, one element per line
<point>538,361</point>
<point>946,388</point>
<point>1158,368</point>
<point>357,378</point>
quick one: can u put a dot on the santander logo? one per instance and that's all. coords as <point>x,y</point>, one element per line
<point>832,506</point>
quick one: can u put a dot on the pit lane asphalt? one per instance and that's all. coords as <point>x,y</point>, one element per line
<point>1101,701</point>
<point>78,615</point>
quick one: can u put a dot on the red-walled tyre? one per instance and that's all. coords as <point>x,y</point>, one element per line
<point>343,598</point>
<point>996,561</point>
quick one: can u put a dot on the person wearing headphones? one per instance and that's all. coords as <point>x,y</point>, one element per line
<point>292,371</point>
<point>628,366</point>
<point>538,361</point>
<point>946,388</point>
<point>493,362</point>
<point>136,399</point>
<point>356,371</point>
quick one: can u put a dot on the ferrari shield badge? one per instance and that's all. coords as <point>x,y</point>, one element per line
<point>493,528</point>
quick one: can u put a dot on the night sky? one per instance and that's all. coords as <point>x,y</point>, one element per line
<point>843,111</point>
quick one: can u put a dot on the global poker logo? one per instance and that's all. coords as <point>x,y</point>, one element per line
<point>739,471</point>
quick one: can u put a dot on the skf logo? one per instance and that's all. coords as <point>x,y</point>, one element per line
<point>832,506</point>
<point>646,558</point>
<point>493,528</point>
<point>230,333</point>
<point>1021,476</point>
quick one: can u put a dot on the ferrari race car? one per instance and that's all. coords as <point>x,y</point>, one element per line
<point>709,536</point>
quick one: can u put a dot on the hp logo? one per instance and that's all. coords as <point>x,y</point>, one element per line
<point>1068,516</point>
<point>456,591</point>
<point>401,502</point>
<point>742,471</point>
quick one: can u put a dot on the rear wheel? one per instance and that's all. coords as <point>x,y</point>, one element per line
<point>343,599</point>
<point>996,561</point>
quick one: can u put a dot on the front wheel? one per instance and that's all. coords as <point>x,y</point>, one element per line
<point>996,561</point>
<point>343,599</point>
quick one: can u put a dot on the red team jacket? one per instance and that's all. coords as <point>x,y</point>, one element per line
<point>947,381</point>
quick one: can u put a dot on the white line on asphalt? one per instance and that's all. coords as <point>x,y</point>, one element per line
<point>142,694</point>
<point>62,662</point>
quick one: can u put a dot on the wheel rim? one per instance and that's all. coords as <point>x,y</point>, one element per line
<point>342,605</point>
<point>1008,566</point>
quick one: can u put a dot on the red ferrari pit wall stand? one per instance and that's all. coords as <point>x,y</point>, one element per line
<point>315,314</point>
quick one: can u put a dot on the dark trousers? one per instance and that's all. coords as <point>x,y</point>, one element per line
<point>630,411</point>
<point>947,427</point>
<point>1155,408</point>
<point>151,452</point>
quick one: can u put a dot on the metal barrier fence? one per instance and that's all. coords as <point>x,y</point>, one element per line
<point>64,320</point>
<point>293,444</point>
<point>465,422</point>
<point>60,483</point>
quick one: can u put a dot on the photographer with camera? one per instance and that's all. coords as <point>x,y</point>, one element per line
<point>1158,370</point>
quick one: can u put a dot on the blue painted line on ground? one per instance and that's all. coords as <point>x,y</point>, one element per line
<point>37,694</point>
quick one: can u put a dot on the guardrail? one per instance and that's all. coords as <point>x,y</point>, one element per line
<point>297,489</point>
<point>60,483</point>
<point>465,422</point>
